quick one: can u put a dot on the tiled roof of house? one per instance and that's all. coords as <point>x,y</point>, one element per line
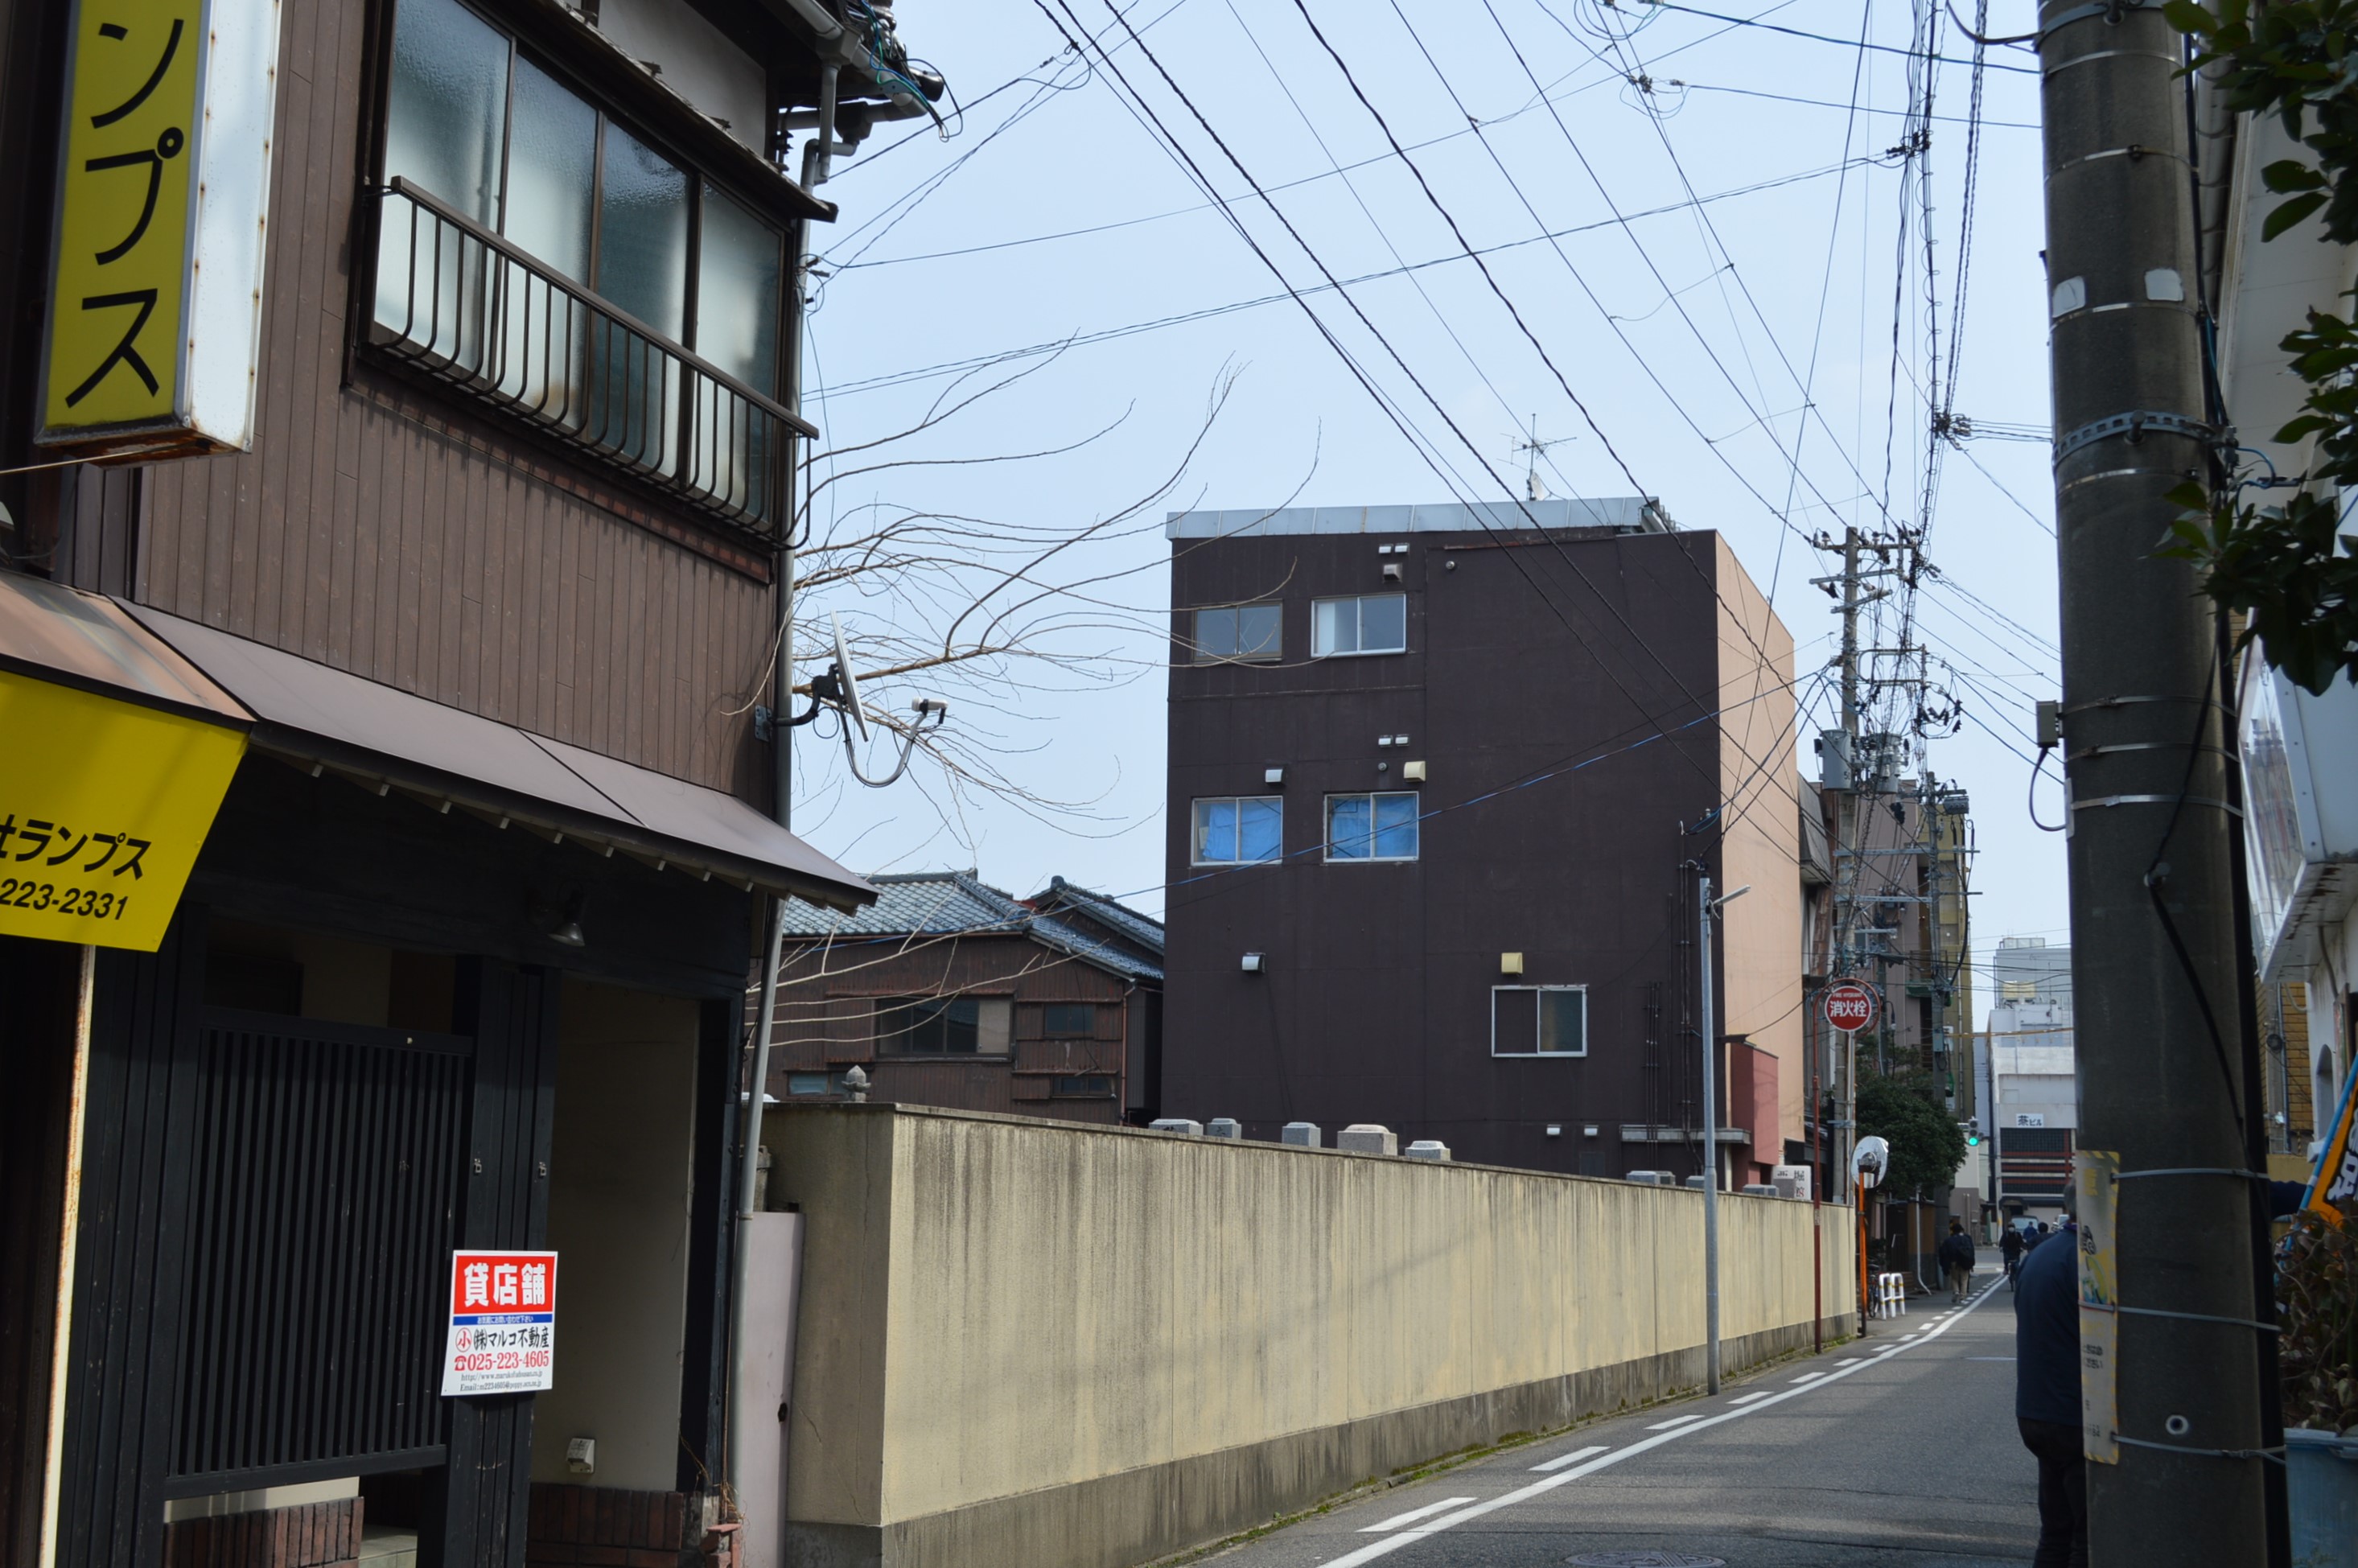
<point>1142,929</point>
<point>944,903</point>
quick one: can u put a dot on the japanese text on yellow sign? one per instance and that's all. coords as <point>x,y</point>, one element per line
<point>104,805</point>
<point>122,233</point>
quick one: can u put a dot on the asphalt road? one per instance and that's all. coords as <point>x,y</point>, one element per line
<point>1895,1450</point>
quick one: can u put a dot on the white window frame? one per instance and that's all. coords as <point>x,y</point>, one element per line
<point>1194,836</point>
<point>1355,600</point>
<point>1536,1054</point>
<point>1326,828</point>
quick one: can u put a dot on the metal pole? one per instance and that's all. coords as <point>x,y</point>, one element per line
<point>69,1242</point>
<point>2153,969</point>
<point>1710,1147</point>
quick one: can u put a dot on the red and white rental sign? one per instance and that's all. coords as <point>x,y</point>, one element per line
<point>502,1324</point>
<point>1848,1006</point>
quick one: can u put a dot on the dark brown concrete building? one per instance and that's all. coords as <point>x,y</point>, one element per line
<point>947,991</point>
<point>1439,783</point>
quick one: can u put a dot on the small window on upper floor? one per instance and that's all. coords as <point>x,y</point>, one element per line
<point>1232,633</point>
<point>544,257</point>
<point>942,1026</point>
<point>1370,623</point>
<point>1371,826</point>
<point>1238,830</point>
<point>1539,1021</point>
<point>1069,1017</point>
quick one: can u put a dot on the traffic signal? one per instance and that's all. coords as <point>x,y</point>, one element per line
<point>1972,1134</point>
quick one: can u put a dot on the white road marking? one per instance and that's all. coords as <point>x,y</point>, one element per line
<point>1747,1398</point>
<point>1561,1460</point>
<point>1413,1515</point>
<point>1847,1361</point>
<point>1391,1543</point>
<point>1674,1421</point>
<point>1811,1376</point>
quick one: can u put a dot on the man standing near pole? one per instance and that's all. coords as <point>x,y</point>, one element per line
<point>2174,1433</point>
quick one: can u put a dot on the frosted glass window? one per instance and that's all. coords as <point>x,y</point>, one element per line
<point>1539,1021</point>
<point>740,267</point>
<point>1376,623</point>
<point>643,234</point>
<point>449,102</point>
<point>552,172</point>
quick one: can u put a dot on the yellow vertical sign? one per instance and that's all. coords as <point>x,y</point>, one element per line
<point>104,805</point>
<point>123,231</point>
<point>2334,1191</point>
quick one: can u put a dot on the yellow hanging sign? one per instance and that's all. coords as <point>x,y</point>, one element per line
<point>104,805</point>
<point>122,229</point>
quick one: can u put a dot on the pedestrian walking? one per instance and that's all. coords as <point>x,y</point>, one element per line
<point>2009,1249</point>
<point>1957,1259</point>
<point>2047,1395</point>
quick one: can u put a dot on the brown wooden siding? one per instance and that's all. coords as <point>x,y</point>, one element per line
<point>827,1021</point>
<point>428,545</point>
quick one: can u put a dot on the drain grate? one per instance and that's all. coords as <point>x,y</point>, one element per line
<point>1646,1560</point>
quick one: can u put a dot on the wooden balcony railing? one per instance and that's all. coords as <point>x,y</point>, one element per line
<point>457,302</point>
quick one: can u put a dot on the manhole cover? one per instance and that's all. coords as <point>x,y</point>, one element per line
<point>1646,1560</point>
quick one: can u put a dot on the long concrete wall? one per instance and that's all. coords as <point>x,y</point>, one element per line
<point>1026,1342</point>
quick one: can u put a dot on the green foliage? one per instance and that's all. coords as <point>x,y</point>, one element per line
<point>2317,1301</point>
<point>2278,565</point>
<point>1927,1145</point>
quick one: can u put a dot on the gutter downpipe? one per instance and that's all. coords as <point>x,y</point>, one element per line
<point>782,808</point>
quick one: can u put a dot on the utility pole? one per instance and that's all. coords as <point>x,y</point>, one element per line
<point>2154,949</point>
<point>1705,905</point>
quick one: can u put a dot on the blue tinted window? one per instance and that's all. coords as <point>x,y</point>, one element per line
<point>1371,826</point>
<point>1232,831</point>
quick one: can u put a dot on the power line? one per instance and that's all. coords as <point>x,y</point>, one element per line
<point>1824,37</point>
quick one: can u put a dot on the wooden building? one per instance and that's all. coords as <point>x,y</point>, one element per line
<point>947,991</point>
<point>456,538</point>
<point>1441,783</point>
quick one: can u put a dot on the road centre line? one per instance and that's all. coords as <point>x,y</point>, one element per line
<point>1747,1398</point>
<point>1674,1421</point>
<point>1413,1515</point>
<point>1391,1543</point>
<point>1561,1460</point>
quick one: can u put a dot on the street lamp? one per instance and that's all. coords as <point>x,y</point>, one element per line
<point>1705,904</point>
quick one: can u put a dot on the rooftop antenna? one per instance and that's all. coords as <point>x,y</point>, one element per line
<point>1532,488</point>
<point>840,689</point>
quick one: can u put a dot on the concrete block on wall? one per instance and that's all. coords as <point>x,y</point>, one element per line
<point>1367,1138</point>
<point>1650,1178</point>
<point>1428,1148</point>
<point>1224,1126</point>
<point>1178,1124</point>
<point>1302,1134</point>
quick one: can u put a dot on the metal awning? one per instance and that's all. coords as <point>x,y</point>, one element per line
<point>61,634</point>
<point>330,720</point>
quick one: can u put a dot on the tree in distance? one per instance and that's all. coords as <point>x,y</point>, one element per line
<point>1927,1145</point>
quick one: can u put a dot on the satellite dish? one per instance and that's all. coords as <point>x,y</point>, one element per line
<point>1870,1161</point>
<point>848,687</point>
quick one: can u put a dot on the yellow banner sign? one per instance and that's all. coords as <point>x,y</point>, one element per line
<point>123,231</point>
<point>104,805</point>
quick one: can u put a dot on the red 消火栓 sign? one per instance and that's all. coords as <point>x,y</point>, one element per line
<point>503,1335</point>
<point>1848,1006</point>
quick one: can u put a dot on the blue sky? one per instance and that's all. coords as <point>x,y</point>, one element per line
<point>1699,224</point>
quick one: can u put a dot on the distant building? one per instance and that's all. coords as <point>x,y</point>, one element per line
<point>1440,782</point>
<point>2027,1059</point>
<point>949,991</point>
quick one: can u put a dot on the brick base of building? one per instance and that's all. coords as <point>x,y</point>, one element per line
<point>606,1527</point>
<point>310,1535</point>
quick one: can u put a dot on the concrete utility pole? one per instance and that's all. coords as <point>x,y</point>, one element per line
<point>1710,1144</point>
<point>2154,966</point>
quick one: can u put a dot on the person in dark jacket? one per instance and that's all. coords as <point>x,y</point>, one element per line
<point>1957,1259</point>
<point>2046,1394</point>
<point>2009,1247</point>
